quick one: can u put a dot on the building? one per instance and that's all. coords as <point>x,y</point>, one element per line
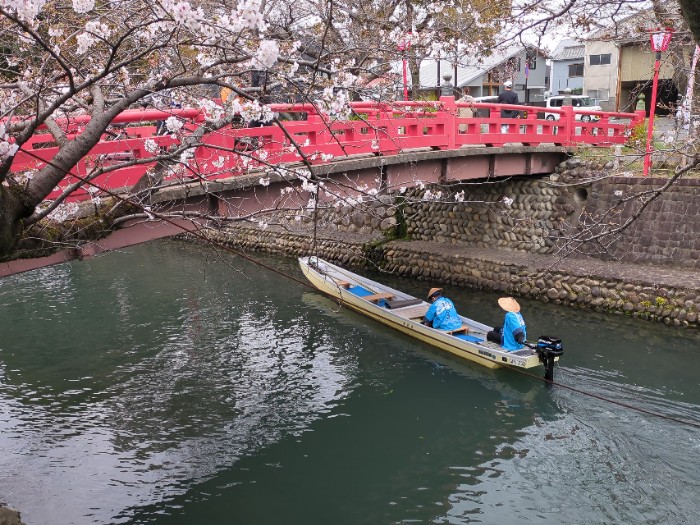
<point>567,66</point>
<point>636,74</point>
<point>484,76</point>
<point>619,64</point>
<point>600,72</point>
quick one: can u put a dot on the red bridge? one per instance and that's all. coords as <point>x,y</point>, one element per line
<point>379,129</point>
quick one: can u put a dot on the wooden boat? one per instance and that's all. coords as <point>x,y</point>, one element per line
<point>405,313</point>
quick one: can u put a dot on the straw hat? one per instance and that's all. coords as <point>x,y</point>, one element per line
<point>509,304</point>
<point>434,291</point>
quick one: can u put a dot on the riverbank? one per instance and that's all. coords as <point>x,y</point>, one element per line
<point>644,291</point>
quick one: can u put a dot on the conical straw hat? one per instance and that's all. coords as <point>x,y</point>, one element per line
<point>509,304</point>
<point>434,291</point>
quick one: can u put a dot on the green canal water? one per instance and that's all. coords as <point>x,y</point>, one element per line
<point>174,384</point>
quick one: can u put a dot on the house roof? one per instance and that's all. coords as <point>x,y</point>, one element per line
<point>388,79</point>
<point>564,43</point>
<point>466,72</point>
<point>570,53</point>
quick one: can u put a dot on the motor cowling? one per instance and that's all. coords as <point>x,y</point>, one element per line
<point>552,345</point>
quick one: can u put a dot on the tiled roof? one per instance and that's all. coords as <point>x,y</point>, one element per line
<point>386,80</point>
<point>570,53</point>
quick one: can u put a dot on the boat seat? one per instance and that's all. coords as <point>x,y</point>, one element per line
<point>412,312</point>
<point>342,284</point>
<point>461,330</point>
<point>402,303</point>
<point>377,296</point>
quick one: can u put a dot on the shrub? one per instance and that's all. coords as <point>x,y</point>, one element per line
<point>638,136</point>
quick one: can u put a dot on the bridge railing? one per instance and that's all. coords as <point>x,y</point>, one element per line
<point>372,129</point>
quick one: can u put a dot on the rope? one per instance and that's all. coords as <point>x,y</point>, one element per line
<point>314,244</point>
<point>341,302</point>
<point>691,424</point>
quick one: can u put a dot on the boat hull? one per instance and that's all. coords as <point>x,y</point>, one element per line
<point>339,283</point>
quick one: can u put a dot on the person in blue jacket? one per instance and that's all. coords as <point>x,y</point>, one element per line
<point>442,313</point>
<point>514,332</point>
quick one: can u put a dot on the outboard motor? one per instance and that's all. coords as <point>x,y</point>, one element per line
<point>548,348</point>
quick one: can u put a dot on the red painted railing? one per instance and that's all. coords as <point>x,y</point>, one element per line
<point>374,128</point>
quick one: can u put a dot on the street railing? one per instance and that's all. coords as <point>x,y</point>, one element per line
<point>307,134</point>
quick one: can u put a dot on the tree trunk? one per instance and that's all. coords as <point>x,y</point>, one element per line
<point>17,204</point>
<point>691,13</point>
<point>12,213</point>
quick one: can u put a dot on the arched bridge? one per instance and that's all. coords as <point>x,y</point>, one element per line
<point>448,146</point>
<point>379,147</point>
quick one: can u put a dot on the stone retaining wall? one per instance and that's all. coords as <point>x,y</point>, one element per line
<point>517,214</point>
<point>667,232</point>
<point>534,215</point>
<point>352,252</point>
<point>375,216</point>
<point>676,306</point>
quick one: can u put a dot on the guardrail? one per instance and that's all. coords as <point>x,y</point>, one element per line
<point>373,128</point>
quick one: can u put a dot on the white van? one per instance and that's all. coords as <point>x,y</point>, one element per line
<point>580,102</point>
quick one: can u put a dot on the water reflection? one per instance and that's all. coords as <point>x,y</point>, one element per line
<point>178,387</point>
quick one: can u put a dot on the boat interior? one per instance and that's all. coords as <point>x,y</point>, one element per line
<point>413,309</point>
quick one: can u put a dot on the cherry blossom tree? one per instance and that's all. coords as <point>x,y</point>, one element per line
<point>62,59</point>
<point>65,59</point>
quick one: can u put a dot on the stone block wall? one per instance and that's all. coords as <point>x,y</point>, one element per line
<point>667,231</point>
<point>555,213</point>
<point>673,306</point>
<point>353,251</point>
<point>546,215</point>
<point>518,214</point>
<point>367,217</point>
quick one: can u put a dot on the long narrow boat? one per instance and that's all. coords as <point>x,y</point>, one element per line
<point>404,312</point>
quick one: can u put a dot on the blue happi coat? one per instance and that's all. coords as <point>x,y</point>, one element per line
<point>443,315</point>
<point>512,325</point>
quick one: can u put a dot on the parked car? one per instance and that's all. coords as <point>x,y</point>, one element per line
<point>582,104</point>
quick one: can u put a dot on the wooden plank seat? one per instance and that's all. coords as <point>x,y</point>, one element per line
<point>461,330</point>
<point>412,312</point>
<point>342,284</point>
<point>377,296</point>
